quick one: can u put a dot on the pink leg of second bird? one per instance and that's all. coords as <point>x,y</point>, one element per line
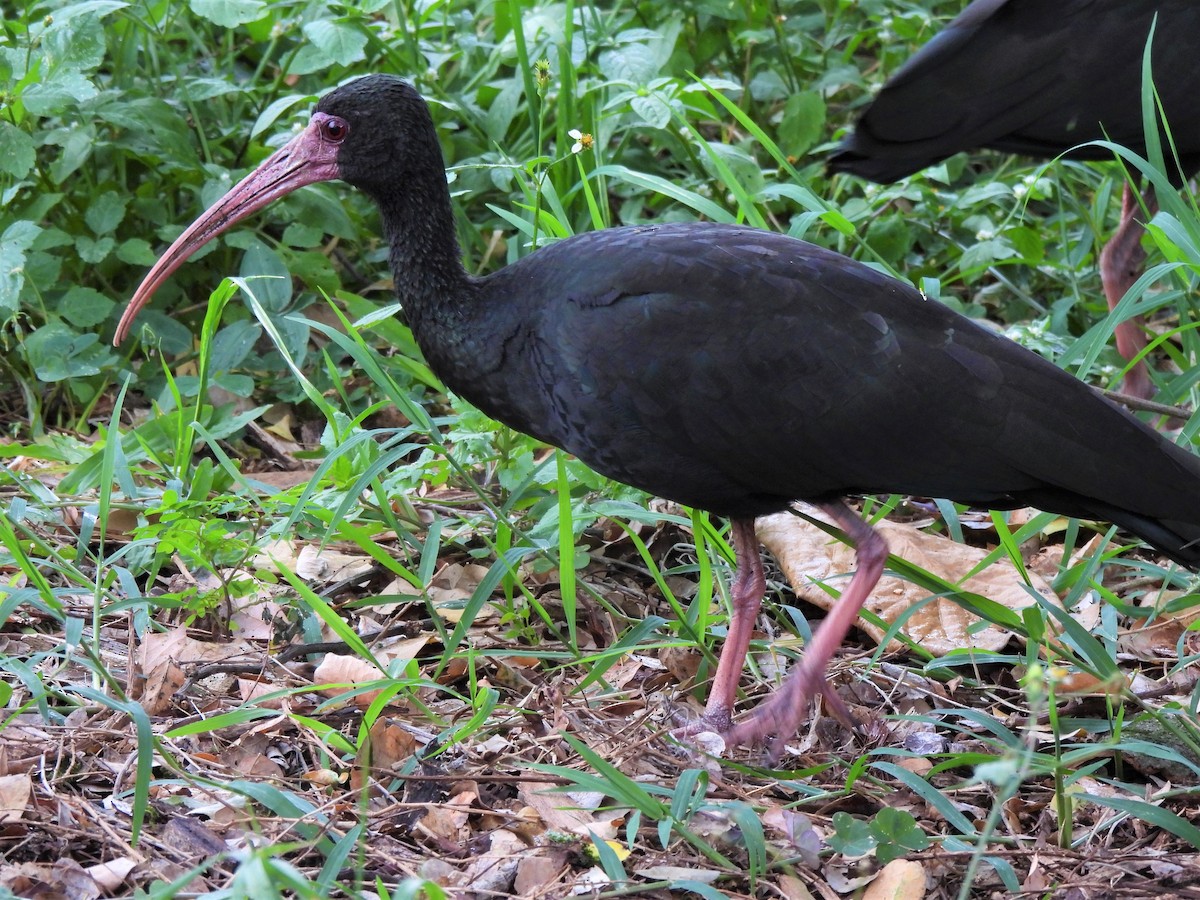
<point>780,716</point>
<point>1121,263</point>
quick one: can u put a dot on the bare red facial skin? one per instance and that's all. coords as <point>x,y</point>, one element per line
<point>309,157</point>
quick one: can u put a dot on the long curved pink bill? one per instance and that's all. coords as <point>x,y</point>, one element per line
<point>305,159</point>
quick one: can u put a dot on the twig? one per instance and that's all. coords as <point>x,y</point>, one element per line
<point>1137,403</point>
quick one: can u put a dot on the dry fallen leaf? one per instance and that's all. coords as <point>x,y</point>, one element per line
<point>681,662</point>
<point>340,673</point>
<point>590,882</point>
<point>326,564</point>
<point>337,671</point>
<point>809,557</point>
<point>390,744</point>
<point>561,813</point>
<point>678,873</point>
<point>163,655</point>
<point>63,878</point>
<point>793,888</point>
<point>535,873</point>
<point>112,874</point>
<point>255,615</point>
<point>1157,637</point>
<point>14,797</point>
<point>275,556</point>
<point>901,879</point>
<point>448,821</point>
<point>283,428</point>
<point>284,479</point>
<point>493,872</point>
<point>452,586</point>
<point>918,765</point>
<point>252,690</point>
<point>1084,684</point>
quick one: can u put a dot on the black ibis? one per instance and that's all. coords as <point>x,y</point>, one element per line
<point>1039,78</point>
<point>730,369</point>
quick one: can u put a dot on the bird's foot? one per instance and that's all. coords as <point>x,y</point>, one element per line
<point>779,718</point>
<point>717,720</point>
<point>771,724</point>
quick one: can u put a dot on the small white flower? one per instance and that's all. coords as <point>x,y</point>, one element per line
<point>583,140</point>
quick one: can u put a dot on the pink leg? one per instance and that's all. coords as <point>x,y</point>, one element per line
<point>1121,263</point>
<point>746,594</point>
<point>780,716</point>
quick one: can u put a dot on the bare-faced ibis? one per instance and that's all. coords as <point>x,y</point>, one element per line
<point>729,369</point>
<point>1039,78</point>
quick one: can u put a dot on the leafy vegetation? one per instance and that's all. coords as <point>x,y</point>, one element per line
<point>500,599</point>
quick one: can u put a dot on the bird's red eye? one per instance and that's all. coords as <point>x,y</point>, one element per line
<point>335,129</point>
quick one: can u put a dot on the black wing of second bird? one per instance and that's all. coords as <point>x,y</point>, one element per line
<point>1035,77</point>
<point>737,370</point>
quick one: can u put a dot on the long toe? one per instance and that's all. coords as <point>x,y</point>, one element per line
<point>779,717</point>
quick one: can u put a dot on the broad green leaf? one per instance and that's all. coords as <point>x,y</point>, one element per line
<point>662,39</point>
<point>59,92</point>
<point>983,253</point>
<point>97,9</point>
<point>302,234</point>
<point>892,236</point>
<point>273,282</point>
<point>77,146</point>
<point>106,212</point>
<point>94,250</point>
<point>745,168</point>
<point>17,153</point>
<point>766,86</point>
<point>229,13</point>
<point>233,343</point>
<point>136,252</point>
<point>634,63</point>
<point>57,353</point>
<point>654,109</point>
<point>274,110</point>
<point>723,9</point>
<point>309,59</point>
<point>342,43</point>
<point>151,127</point>
<point>504,109</point>
<point>85,307</point>
<point>13,244</point>
<point>76,42</point>
<point>43,268</point>
<point>199,89</point>
<point>803,122</point>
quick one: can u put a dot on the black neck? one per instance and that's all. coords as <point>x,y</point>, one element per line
<point>425,259</point>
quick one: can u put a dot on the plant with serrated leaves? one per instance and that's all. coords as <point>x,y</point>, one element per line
<point>211,536</point>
